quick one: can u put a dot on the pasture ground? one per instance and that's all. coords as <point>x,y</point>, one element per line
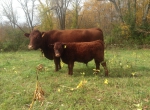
<point>126,88</point>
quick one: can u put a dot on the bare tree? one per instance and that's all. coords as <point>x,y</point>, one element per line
<point>134,16</point>
<point>76,8</point>
<point>28,7</point>
<point>60,7</point>
<point>117,7</point>
<point>9,13</point>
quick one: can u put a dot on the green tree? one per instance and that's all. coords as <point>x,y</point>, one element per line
<point>45,15</point>
<point>75,11</point>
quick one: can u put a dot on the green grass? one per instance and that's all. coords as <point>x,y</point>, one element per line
<point>128,85</point>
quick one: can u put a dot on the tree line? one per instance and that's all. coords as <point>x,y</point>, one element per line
<point>122,21</point>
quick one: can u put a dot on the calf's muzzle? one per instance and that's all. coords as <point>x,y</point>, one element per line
<point>57,55</point>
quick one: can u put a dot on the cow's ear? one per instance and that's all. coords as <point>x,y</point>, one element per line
<point>43,34</point>
<point>27,34</point>
<point>51,46</point>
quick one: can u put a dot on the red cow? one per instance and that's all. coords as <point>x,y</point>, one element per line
<point>81,52</point>
<point>43,39</point>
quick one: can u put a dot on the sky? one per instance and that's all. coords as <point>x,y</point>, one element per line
<point>17,9</point>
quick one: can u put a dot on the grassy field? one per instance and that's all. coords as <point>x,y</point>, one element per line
<point>126,88</point>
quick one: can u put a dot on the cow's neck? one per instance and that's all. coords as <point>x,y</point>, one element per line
<point>44,46</point>
<point>44,50</point>
<point>47,53</point>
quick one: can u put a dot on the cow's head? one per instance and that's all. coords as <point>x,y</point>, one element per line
<point>58,48</point>
<point>35,39</point>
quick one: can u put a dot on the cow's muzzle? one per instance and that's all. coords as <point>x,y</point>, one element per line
<point>30,47</point>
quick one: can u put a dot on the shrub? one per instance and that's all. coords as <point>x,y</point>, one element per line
<point>13,40</point>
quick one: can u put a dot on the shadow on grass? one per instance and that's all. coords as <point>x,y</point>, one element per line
<point>129,72</point>
<point>113,72</point>
<point>79,68</point>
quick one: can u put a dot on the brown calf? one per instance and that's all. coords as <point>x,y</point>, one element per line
<point>81,52</point>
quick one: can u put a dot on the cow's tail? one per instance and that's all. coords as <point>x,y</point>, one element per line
<point>101,33</point>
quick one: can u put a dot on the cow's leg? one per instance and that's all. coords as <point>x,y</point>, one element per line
<point>105,67</point>
<point>70,68</point>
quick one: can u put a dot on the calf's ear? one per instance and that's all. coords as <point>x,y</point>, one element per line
<point>27,34</point>
<point>64,46</point>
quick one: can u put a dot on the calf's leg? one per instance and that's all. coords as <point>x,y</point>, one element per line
<point>57,63</point>
<point>105,67</point>
<point>97,63</point>
<point>70,68</point>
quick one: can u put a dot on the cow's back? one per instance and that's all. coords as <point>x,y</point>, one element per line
<point>75,35</point>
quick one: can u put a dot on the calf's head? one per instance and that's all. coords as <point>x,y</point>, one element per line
<point>35,39</point>
<point>58,48</point>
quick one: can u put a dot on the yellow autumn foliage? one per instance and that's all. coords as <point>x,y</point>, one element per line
<point>125,30</point>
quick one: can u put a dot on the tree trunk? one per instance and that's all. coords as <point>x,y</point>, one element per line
<point>144,20</point>
<point>118,10</point>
